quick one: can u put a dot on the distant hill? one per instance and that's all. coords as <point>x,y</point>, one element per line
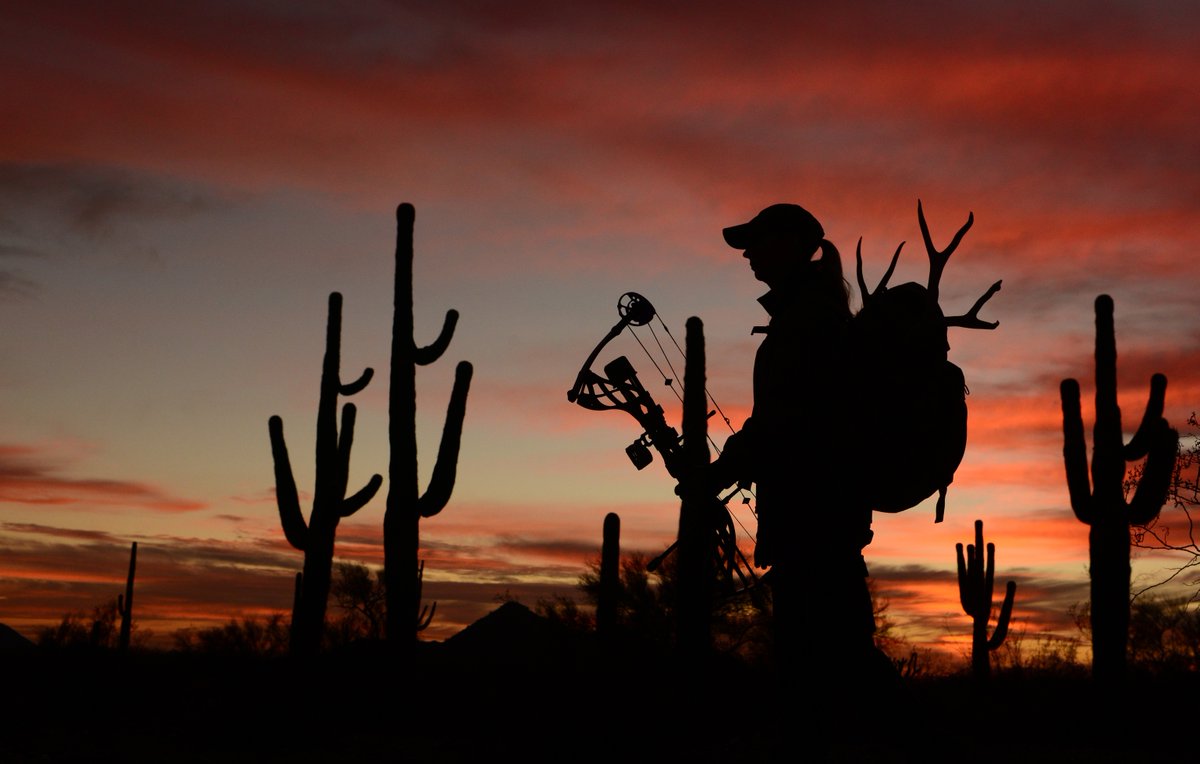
<point>513,634</point>
<point>11,640</point>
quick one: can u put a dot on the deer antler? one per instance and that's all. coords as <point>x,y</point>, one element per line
<point>971,319</point>
<point>938,259</point>
<point>937,264</point>
<point>862,284</point>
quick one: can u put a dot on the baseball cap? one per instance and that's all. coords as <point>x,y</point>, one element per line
<point>790,222</point>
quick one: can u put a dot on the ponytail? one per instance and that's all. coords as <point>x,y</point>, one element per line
<point>827,276</point>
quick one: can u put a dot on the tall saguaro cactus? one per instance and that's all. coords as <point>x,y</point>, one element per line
<point>406,505</point>
<point>1100,502</point>
<point>125,601</point>
<point>976,583</point>
<point>696,569</point>
<point>330,503</point>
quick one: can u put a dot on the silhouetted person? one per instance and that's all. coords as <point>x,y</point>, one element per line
<point>797,448</point>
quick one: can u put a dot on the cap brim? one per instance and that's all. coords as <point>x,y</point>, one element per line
<point>739,236</point>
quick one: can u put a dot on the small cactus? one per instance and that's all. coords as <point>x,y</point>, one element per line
<point>330,503</point>
<point>1100,501</point>
<point>610,576</point>
<point>125,602</point>
<point>976,583</point>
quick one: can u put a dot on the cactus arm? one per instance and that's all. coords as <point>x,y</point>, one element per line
<point>1151,492</point>
<point>425,616</point>
<point>1140,445</point>
<point>364,494</point>
<point>989,582</point>
<point>430,353</point>
<point>357,385</point>
<point>1005,613</point>
<point>975,571</point>
<point>441,484</point>
<point>344,444</point>
<point>286,496</point>
<point>964,581</point>
<point>1075,453</point>
<point>975,579</point>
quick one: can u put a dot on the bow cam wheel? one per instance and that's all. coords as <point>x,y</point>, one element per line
<point>636,308</point>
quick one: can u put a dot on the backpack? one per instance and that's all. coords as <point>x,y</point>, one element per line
<point>906,387</point>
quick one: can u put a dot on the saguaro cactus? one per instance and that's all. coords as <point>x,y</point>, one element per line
<point>330,503</point>
<point>696,567</point>
<point>1101,503</point>
<point>125,602</point>
<point>976,583</point>
<point>610,576</point>
<point>406,505</point>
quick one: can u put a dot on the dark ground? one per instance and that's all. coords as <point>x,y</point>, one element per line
<point>532,698</point>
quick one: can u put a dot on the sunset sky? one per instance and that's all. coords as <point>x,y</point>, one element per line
<point>183,184</point>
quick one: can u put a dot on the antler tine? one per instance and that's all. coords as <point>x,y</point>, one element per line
<point>971,319</point>
<point>937,259</point>
<point>862,284</point>
<point>891,268</point>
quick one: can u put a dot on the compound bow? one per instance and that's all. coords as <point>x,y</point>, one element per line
<point>619,389</point>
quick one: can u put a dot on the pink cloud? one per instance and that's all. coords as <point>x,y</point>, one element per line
<point>26,478</point>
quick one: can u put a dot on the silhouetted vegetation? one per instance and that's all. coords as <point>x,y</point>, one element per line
<point>330,504</point>
<point>96,631</point>
<point>1183,495</point>
<point>204,699</point>
<point>1039,656</point>
<point>976,585</point>
<point>362,599</point>
<point>644,610</point>
<point>125,601</point>
<point>268,636</point>
<point>1100,501</point>
<point>109,625</point>
<point>356,593</point>
<point>1164,636</point>
<point>700,514</point>
<point>610,576</point>
<point>406,505</point>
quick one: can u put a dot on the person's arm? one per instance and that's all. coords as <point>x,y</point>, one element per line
<point>735,464</point>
